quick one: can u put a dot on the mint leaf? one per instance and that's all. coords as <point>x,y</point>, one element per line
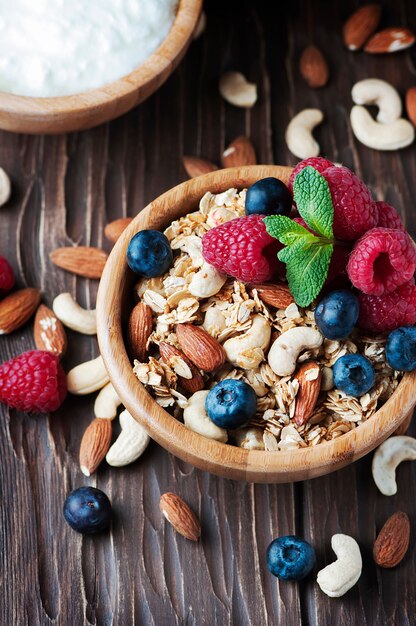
<point>286,230</point>
<point>306,269</point>
<point>313,198</point>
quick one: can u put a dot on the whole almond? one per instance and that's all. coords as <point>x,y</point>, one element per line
<point>309,378</point>
<point>180,516</point>
<point>139,330</point>
<point>361,25</point>
<point>194,166</point>
<point>49,332</point>
<point>84,261</point>
<point>202,349</point>
<point>275,294</point>
<point>240,152</point>
<point>17,308</point>
<point>411,104</point>
<point>170,356</point>
<point>95,444</point>
<point>114,229</point>
<point>313,67</point>
<point>390,40</point>
<point>392,542</point>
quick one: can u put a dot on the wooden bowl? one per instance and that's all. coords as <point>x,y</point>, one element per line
<point>113,307</point>
<point>23,114</point>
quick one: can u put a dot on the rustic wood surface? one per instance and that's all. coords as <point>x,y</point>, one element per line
<point>66,188</point>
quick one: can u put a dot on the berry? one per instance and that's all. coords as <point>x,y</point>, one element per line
<point>149,253</point>
<point>33,381</point>
<point>337,314</point>
<point>388,216</point>
<point>88,510</point>
<point>354,210</point>
<point>268,196</point>
<point>231,403</point>
<point>384,313</point>
<point>401,349</point>
<point>6,276</point>
<point>243,249</point>
<point>381,261</point>
<point>318,163</point>
<point>290,558</point>
<point>353,374</point>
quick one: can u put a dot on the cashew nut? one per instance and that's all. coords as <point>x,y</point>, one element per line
<point>247,350</point>
<point>372,134</point>
<point>130,444</point>
<point>236,90</point>
<point>207,282</point>
<point>195,418</point>
<point>214,321</point>
<point>107,403</point>
<point>73,315</point>
<point>380,93</point>
<point>87,377</point>
<point>5,187</point>
<point>298,135</point>
<point>286,349</point>
<point>387,457</point>
<point>249,438</point>
<point>338,577</point>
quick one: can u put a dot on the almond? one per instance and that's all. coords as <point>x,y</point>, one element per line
<point>202,349</point>
<point>94,445</point>
<point>276,295</point>
<point>17,308</point>
<point>49,332</point>
<point>139,330</point>
<point>240,152</point>
<point>361,25</point>
<point>173,357</point>
<point>313,67</point>
<point>393,541</point>
<point>390,40</point>
<point>81,260</point>
<point>411,104</point>
<point>180,516</point>
<point>194,166</point>
<point>114,229</point>
<point>309,377</point>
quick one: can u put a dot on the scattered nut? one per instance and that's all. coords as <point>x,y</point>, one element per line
<point>236,90</point>
<point>195,418</point>
<point>247,350</point>
<point>194,166</point>
<point>361,25</point>
<point>114,229</point>
<point>338,577</point>
<point>87,377</point>
<point>17,308</point>
<point>411,104</point>
<point>207,282</point>
<point>94,445</point>
<point>380,93</point>
<point>5,187</point>
<point>298,134</point>
<point>72,315</point>
<point>49,333</point>
<point>130,444</point>
<point>372,134</point>
<point>313,67</point>
<point>390,40</point>
<point>84,261</point>
<point>180,516</point>
<point>387,457</point>
<point>285,350</point>
<point>240,152</point>
<point>392,542</point>
<point>107,403</point>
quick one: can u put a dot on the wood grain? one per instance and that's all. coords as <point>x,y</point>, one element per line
<point>65,190</point>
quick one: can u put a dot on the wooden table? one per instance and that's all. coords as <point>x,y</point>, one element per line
<point>65,189</point>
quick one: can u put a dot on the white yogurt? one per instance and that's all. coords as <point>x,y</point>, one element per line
<point>61,47</point>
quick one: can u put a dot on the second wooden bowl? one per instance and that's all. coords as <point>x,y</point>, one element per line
<point>113,308</point>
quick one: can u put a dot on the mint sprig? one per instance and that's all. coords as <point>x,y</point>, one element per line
<point>307,254</point>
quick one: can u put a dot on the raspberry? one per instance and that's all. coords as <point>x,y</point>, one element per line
<point>319,163</point>
<point>243,249</point>
<point>387,312</point>
<point>354,210</point>
<point>6,276</point>
<point>381,261</point>
<point>388,216</point>
<point>33,381</point>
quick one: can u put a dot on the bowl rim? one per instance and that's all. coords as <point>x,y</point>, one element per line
<point>157,63</point>
<point>207,454</point>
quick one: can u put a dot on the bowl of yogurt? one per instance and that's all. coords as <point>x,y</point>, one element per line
<point>68,66</point>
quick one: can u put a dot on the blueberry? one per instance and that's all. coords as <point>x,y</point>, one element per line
<point>353,374</point>
<point>149,253</point>
<point>88,510</point>
<point>231,403</point>
<point>290,557</point>
<point>268,196</point>
<point>337,314</point>
<point>401,349</point>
